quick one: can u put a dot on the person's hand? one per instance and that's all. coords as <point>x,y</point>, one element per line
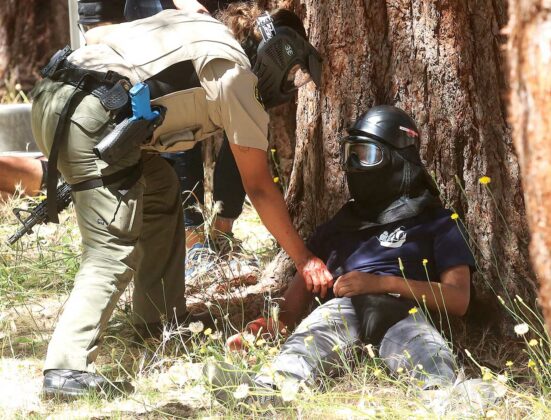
<point>356,283</point>
<point>316,275</point>
<point>265,328</point>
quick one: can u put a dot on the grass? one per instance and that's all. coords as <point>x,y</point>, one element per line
<point>36,276</point>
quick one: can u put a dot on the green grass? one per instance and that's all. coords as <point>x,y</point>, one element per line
<point>36,276</point>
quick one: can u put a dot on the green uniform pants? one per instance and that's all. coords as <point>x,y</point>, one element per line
<point>136,235</point>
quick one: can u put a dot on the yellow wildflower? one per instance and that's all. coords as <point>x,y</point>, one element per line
<point>273,150</point>
<point>487,376</point>
<point>208,332</point>
<point>336,348</point>
<point>276,179</point>
<point>273,351</point>
<point>260,343</point>
<point>377,372</point>
<point>533,342</point>
<point>509,363</point>
<point>485,180</point>
<point>455,216</point>
<point>425,261</point>
<point>531,363</point>
<point>413,311</point>
<point>308,340</point>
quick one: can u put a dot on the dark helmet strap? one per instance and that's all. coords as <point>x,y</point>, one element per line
<point>266,26</point>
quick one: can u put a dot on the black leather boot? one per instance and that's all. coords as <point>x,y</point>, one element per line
<point>67,384</point>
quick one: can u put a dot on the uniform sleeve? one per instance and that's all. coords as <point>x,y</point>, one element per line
<point>451,247</point>
<point>242,114</point>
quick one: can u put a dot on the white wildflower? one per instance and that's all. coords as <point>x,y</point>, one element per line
<point>249,338</point>
<point>241,392</point>
<point>502,379</point>
<point>289,389</point>
<point>217,335</point>
<point>196,327</point>
<point>370,351</point>
<point>521,329</point>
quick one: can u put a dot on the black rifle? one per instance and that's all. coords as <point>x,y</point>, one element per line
<point>39,214</point>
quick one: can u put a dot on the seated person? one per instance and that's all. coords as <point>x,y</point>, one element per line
<point>394,251</point>
<point>27,173</point>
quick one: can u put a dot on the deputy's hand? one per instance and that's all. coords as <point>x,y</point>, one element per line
<point>316,275</point>
<point>357,283</point>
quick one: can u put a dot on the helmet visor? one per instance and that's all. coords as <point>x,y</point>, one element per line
<point>296,78</point>
<point>365,155</point>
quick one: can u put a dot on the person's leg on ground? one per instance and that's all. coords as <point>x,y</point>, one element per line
<point>319,344</point>
<point>414,345</point>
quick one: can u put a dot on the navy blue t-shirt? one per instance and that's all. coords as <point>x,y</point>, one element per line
<point>433,236</point>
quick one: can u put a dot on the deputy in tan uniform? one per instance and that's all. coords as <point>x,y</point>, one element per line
<point>129,213</point>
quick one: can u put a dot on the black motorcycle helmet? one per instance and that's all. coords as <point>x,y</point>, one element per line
<point>373,136</point>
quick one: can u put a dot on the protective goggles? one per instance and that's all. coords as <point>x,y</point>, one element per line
<point>362,153</point>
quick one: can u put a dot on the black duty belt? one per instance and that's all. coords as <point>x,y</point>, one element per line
<point>112,90</point>
<point>127,176</point>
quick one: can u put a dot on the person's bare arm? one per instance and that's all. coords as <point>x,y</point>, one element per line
<point>296,301</point>
<point>268,201</point>
<point>451,294</point>
<point>23,171</point>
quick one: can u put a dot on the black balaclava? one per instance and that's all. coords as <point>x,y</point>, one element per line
<point>394,185</point>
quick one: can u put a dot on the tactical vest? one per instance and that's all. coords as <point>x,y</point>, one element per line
<point>145,48</point>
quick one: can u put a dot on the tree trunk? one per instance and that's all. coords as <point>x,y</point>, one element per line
<point>442,63</point>
<point>30,32</point>
<point>529,51</point>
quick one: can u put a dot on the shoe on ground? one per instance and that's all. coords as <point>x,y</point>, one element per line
<point>65,384</point>
<point>465,396</point>
<point>232,386</point>
<point>226,243</point>
<point>156,329</point>
<point>200,261</point>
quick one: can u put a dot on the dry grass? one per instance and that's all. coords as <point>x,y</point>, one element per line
<point>36,276</point>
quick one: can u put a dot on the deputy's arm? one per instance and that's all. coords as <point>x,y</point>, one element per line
<point>452,294</point>
<point>268,201</point>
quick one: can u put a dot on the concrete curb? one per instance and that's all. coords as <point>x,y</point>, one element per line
<point>15,128</point>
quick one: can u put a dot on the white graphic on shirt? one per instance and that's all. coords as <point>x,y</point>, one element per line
<point>393,240</point>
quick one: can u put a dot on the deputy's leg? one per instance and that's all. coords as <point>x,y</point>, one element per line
<point>319,343</point>
<point>110,225</point>
<point>414,345</point>
<point>159,284</point>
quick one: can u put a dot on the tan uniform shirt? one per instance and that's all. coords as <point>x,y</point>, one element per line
<point>227,99</point>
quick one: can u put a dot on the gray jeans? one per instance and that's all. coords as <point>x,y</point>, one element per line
<point>326,340</point>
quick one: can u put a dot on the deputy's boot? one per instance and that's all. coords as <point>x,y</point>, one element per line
<point>66,384</point>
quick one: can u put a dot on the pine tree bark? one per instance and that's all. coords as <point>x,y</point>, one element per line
<point>30,32</point>
<point>529,51</point>
<point>442,62</point>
